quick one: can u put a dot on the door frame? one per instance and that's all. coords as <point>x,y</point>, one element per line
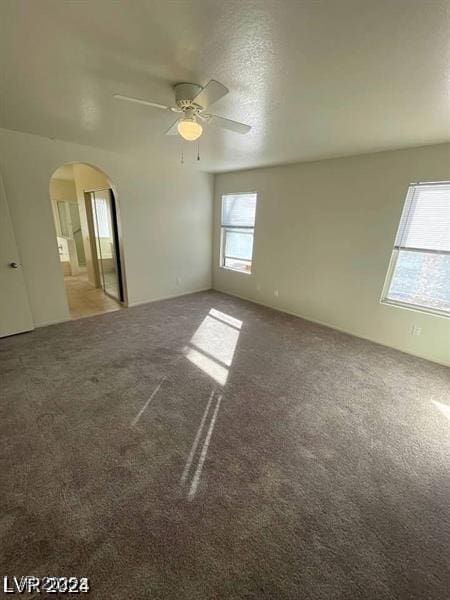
<point>118,241</point>
<point>92,244</point>
<point>17,303</point>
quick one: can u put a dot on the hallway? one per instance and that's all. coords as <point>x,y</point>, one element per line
<point>85,300</point>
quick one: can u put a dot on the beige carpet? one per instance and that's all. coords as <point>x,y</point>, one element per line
<point>208,448</point>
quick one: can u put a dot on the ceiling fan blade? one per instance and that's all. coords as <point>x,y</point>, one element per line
<point>140,101</point>
<point>212,92</point>
<point>173,129</point>
<point>227,124</point>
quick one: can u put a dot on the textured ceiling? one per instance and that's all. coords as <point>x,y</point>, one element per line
<point>314,78</point>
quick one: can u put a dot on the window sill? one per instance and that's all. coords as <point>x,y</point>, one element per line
<point>416,308</point>
<point>234,270</point>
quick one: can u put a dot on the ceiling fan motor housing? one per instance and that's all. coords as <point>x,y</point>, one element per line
<point>185,94</point>
<point>191,100</point>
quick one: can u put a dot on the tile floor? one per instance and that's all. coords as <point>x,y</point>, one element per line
<point>85,300</point>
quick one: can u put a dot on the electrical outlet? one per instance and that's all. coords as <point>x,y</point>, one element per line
<point>258,287</point>
<point>275,293</point>
<point>178,280</point>
<point>416,330</point>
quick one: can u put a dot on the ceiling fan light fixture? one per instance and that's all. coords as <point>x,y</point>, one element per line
<point>189,129</point>
<point>191,100</point>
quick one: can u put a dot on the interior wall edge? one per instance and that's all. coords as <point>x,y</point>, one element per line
<point>165,214</point>
<point>334,327</point>
<point>325,159</point>
<point>52,322</point>
<point>324,236</point>
<point>171,296</point>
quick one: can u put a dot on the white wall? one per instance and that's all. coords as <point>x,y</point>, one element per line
<point>324,237</point>
<point>165,211</point>
<point>324,233</point>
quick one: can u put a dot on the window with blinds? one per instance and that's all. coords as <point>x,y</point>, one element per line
<point>419,275</point>
<point>237,231</point>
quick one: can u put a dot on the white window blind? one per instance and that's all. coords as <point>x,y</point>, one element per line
<point>237,231</point>
<point>425,222</point>
<point>238,210</point>
<point>419,275</point>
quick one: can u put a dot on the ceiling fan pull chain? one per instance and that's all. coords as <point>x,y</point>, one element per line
<point>182,155</point>
<point>198,150</point>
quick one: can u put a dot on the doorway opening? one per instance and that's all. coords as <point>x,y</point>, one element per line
<point>85,213</point>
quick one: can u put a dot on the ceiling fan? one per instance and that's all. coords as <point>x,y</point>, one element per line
<point>191,100</point>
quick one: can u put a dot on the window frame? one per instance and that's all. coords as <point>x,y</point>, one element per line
<point>384,299</point>
<point>233,228</point>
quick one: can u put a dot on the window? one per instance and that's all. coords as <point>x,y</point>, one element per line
<point>419,275</point>
<point>101,221</point>
<point>237,229</point>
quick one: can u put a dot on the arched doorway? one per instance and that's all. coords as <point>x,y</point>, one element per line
<point>85,212</point>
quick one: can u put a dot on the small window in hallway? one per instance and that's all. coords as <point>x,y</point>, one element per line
<point>237,231</point>
<point>419,274</point>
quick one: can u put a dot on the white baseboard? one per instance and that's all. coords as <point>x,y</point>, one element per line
<point>132,304</point>
<point>363,337</point>
<point>51,322</point>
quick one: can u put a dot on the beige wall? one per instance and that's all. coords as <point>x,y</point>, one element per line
<point>64,190</point>
<point>85,178</point>
<point>60,190</point>
<point>323,239</point>
<point>88,179</point>
<point>165,211</point>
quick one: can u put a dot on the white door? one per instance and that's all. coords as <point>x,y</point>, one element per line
<point>15,314</point>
